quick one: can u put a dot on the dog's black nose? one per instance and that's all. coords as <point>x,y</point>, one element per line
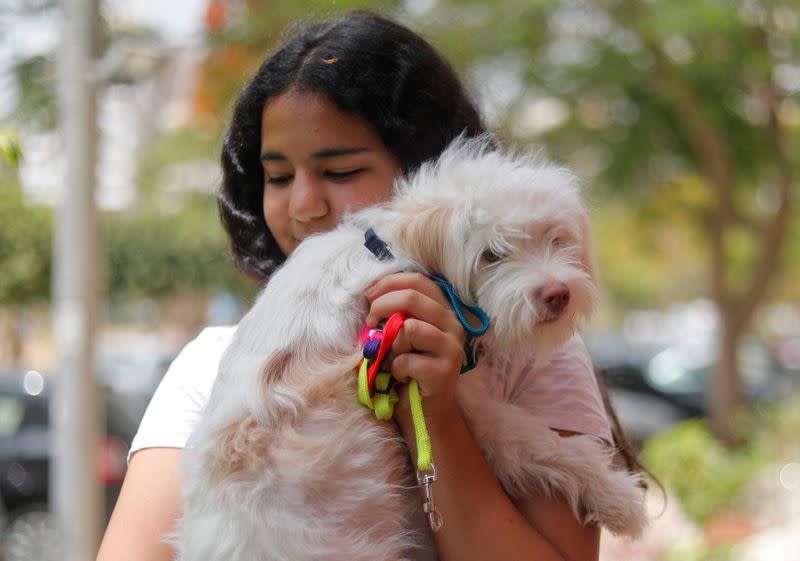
<point>555,298</point>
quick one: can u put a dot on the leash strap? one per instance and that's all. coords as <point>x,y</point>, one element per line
<point>376,391</point>
<point>424,451</point>
<point>375,388</point>
<point>470,349</point>
<point>459,305</point>
<point>390,331</point>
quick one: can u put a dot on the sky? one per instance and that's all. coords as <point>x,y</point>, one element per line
<point>178,21</point>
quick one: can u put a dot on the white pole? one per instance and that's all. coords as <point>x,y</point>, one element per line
<point>75,493</point>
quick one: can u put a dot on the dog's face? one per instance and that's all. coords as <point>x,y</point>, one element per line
<point>509,233</point>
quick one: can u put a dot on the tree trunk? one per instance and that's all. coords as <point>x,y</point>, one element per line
<point>724,393</point>
<point>736,307</point>
<point>16,339</point>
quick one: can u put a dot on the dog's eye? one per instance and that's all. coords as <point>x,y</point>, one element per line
<point>489,256</point>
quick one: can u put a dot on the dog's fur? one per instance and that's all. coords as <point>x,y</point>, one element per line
<point>287,465</point>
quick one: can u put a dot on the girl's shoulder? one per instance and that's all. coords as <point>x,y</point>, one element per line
<point>197,364</point>
<point>562,389</point>
<point>210,342</point>
<point>184,390</point>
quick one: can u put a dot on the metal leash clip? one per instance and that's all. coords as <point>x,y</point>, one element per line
<point>426,479</point>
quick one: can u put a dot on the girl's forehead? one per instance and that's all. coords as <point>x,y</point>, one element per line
<point>299,124</point>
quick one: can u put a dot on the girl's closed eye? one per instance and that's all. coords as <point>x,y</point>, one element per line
<point>278,180</point>
<point>343,175</point>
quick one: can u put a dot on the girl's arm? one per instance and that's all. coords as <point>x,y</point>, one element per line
<point>147,508</point>
<point>481,522</point>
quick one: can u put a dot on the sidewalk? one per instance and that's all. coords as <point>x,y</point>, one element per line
<point>776,500</point>
<point>775,508</point>
<point>668,525</point>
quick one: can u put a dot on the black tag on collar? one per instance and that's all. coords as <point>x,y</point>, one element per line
<point>377,246</point>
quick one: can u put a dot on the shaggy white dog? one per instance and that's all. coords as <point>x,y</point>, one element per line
<point>287,465</point>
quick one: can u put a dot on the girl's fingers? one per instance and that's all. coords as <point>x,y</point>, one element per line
<point>432,373</point>
<point>401,281</point>
<point>418,338</point>
<point>416,304</point>
<point>421,337</point>
<point>430,345</point>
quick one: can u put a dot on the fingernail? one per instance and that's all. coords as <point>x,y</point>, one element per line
<point>371,294</point>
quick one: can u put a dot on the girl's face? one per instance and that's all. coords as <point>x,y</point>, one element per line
<point>318,163</point>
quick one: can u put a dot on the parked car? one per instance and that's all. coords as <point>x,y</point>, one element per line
<point>25,451</point>
<point>653,387</point>
<point>642,410</point>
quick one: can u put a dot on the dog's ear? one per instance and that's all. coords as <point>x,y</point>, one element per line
<point>275,368</point>
<point>424,234</point>
<point>588,260</point>
<point>241,447</point>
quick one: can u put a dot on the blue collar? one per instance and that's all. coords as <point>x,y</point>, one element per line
<point>377,246</point>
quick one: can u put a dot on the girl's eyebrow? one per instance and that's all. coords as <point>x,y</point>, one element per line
<point>271,156</point>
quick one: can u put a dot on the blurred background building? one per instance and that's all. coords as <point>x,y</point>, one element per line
<point>682,117</point>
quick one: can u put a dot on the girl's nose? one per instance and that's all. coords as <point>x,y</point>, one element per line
<point>307,199</point>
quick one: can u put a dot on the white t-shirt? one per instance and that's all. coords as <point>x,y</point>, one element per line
<point>562,391</point>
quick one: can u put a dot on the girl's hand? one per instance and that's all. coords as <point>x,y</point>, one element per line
<point>430,345</point>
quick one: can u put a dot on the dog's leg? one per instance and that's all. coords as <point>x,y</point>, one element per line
<point>526,456</point>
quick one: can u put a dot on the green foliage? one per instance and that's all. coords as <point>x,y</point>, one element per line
<point>704,474</point>
<point>25,247</point>
<point>158,255</point>
<point>776,426</point>
<point>36,80</point>
<point>698,550</point>
<point>9,148</point>
<point>147,254</point>
<point>647,89</point>
<point>623,70</point>
<point>181,145</point>
<point>155,253</point>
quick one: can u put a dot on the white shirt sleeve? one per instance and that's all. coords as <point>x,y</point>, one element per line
<point>181,396</point>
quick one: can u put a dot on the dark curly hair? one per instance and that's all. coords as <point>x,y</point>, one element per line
<point>385,74</point>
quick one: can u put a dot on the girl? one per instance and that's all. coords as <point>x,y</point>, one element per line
<point>328,122</point>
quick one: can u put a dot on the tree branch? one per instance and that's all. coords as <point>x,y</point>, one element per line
<point>712,153</point>
<point>776,230</point>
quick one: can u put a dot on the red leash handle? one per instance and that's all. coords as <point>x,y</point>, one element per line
<point>390,331</point>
